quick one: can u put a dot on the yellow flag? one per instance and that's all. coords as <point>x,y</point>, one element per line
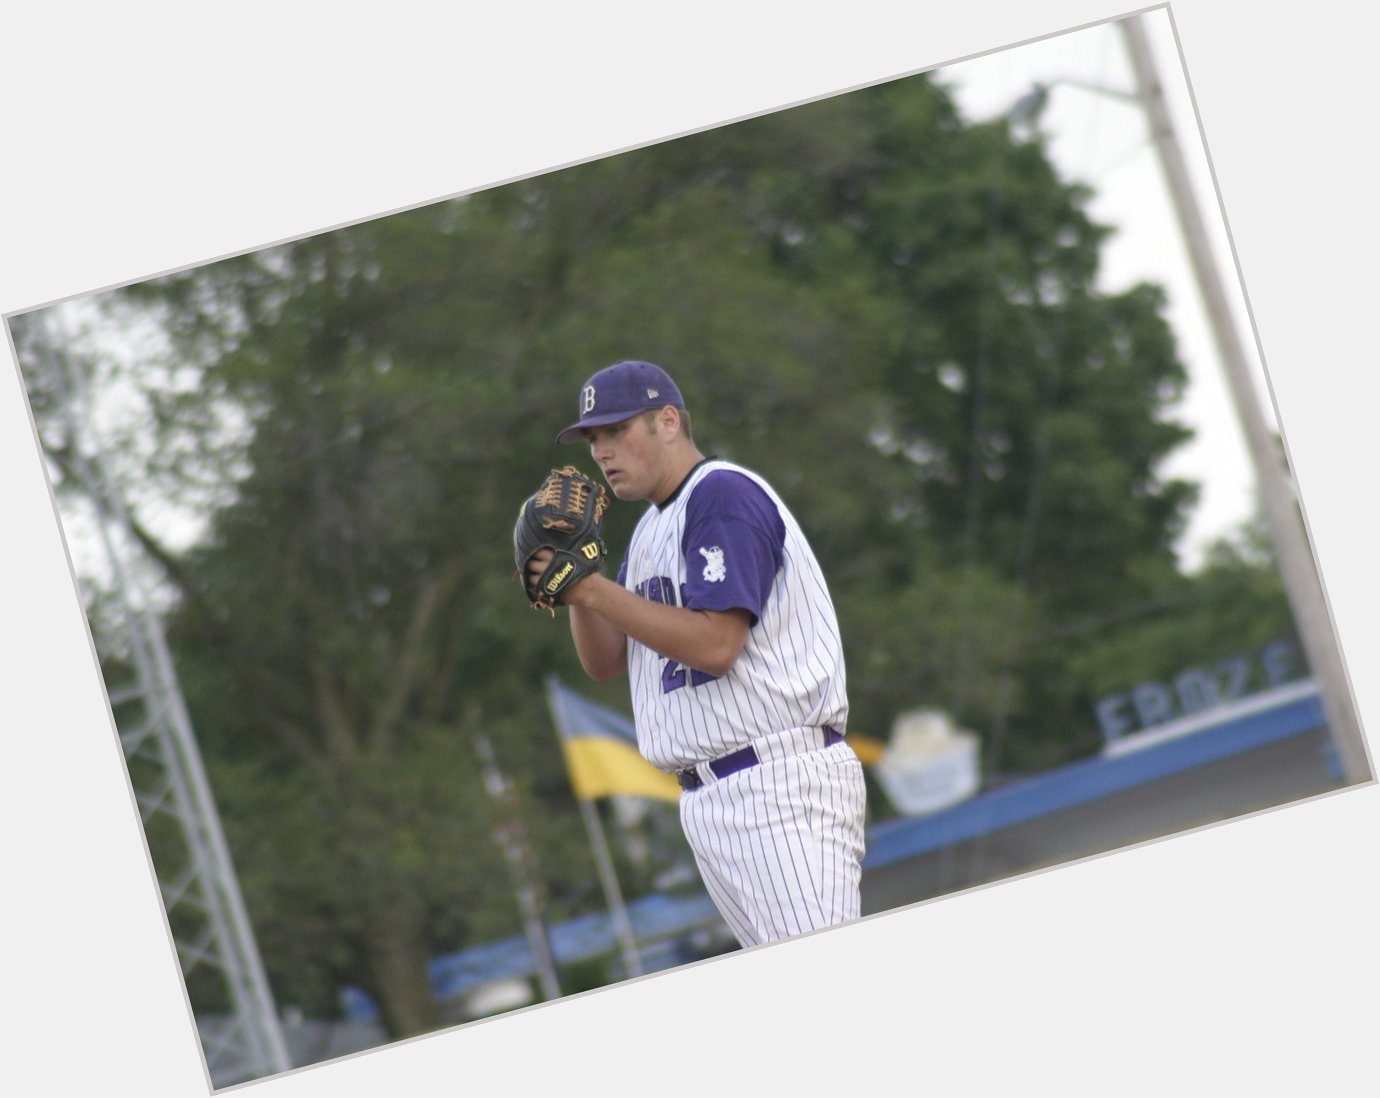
<point>600,748</point>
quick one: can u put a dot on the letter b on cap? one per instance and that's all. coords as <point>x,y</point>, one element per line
<point>586,400</point>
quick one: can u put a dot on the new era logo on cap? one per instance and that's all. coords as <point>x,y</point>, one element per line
<point>619,392</point>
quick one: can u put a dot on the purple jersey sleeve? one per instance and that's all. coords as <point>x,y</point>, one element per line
<point>733,544</point>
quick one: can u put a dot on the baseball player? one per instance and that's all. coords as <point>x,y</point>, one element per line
<point>721,618</point>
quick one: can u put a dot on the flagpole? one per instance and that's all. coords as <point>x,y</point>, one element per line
<point>618,911</point>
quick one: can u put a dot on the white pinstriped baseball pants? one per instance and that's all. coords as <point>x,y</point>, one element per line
<point>780,844</point>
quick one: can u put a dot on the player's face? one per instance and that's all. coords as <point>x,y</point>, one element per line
<point>631,455</point>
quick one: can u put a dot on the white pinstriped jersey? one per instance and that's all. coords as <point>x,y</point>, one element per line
<point>717,544</point>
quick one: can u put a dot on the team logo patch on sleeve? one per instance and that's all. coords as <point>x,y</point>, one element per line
<point>714,570</point>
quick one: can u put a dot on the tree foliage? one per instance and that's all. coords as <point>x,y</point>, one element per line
<point>889,312</point>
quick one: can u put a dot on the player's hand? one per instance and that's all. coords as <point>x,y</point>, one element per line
<point>537,565</point>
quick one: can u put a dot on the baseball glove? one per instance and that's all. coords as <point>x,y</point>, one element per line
<point>563,515</point>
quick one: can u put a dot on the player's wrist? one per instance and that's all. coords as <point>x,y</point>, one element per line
<point>583,590</point>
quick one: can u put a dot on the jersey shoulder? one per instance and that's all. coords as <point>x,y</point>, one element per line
<point>728,492</point>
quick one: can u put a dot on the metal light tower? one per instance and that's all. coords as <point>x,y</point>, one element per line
<point>200,892</point>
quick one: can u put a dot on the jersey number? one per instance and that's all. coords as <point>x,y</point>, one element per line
<point>675,675</point>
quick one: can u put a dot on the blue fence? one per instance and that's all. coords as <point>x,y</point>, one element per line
<point>656,917</point>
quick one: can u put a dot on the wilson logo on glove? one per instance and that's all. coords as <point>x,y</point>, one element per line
<point>554,583</point>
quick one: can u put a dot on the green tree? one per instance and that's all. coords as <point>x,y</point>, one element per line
<point>889,312</point>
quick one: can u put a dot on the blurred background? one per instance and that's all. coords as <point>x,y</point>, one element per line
<point>288,481</point>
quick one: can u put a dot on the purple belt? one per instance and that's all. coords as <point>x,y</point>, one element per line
<point>734,761</point>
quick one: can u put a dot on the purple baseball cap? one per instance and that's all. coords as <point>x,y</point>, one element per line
<point>619,392</point>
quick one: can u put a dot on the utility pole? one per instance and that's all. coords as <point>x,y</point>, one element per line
<point>512,840</point>
<point>1278,500</point>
